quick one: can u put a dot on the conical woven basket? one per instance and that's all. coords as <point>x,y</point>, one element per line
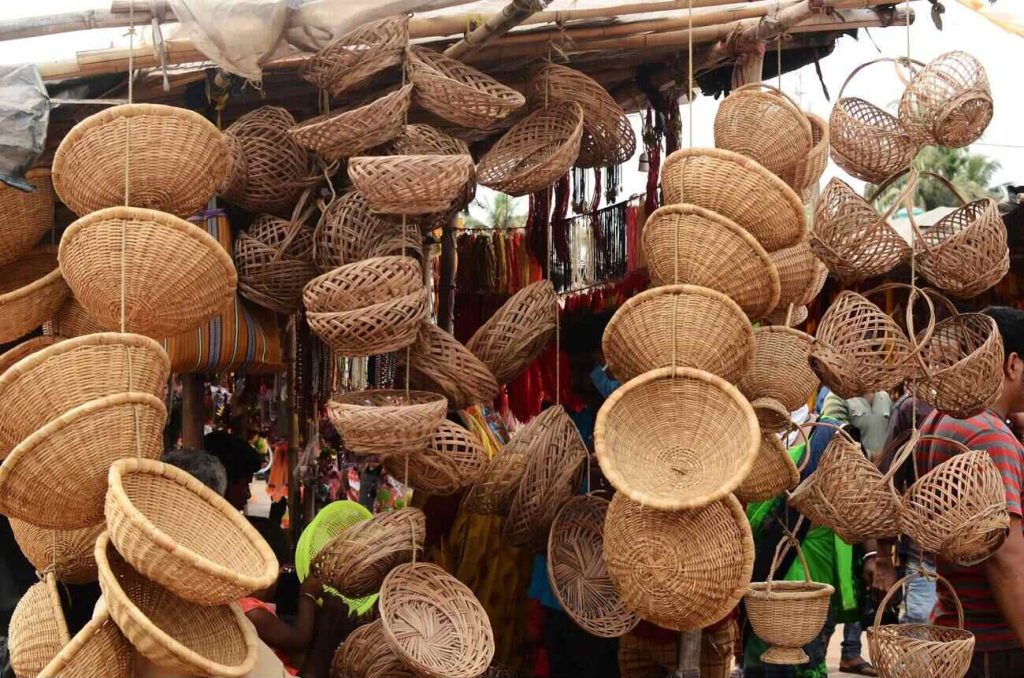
<point>681,570</point>
<point>459,93</point>
<point>67,553</point>
<point>386,422</point>
<point>345,232</point>
<point>365,653</point>
<point>99,649</point>
<point>805,174</point>
<point>31,290</point>
<point>454,460</point>
<point>693,326</point>
<point>25,217</point>
<point>779,368</point>
<point>25,349</point>
<point>37,630</point>
<point>178,160</point>
<point>773,472</point>
<point>357,55</point>
<point>655,457</point>
<point>763,123</point>
<point>948,102</point>
<point>451,369</point>
<point>518,332</point>
<point>413,184</point>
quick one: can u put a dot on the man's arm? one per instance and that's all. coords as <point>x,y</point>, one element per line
<point>1005,574</point>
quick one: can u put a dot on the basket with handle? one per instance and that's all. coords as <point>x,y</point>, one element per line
<point>804,175</point>
<point>779,367</point>
<point>948,102</point>
<point>450,368</point>
<point>98,649</point>
<point>518,332</point>
<point>365,653</point>
<point>386,421</point>
<point>413,184</point>
<point>25,217</point>
<point>31,290</point>
<point>37,630</point>
<point>918,650</point>
<point>454,459</point>
<point>763,123</point>
<point>354,57</point>
<point>66,553</point>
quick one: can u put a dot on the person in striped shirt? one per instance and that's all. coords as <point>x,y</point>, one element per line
<point>993,591</point>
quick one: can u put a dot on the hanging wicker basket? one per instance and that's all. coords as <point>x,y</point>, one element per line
<point>577,572</point>
<point>331,521</point>
<point>37,630</point>
<point>686,325</point>
<point>422,139</point>
<point>358,55</point>
<point>177,160</point>
<point>386,422</point>
<point>354,129</point>
<point>803,177</point>
<point>948,102</point>
<point>412,184</point>
<point>652,456</point>
<point>346,231</point>
<point>772,416</point>
<point>773,473</point>
<point>71,320</point>
<point>25,349</point>
<point>98,649</point>
<point>142,255</point>
<point>779,369</point>
<point>66,553</point>
<point>798,269</point>
<point>364,283</point>
<point>518,332</point>
<point>450,368</point>
<point>454,460</point>
<point>25,217</point>
<point>686,244</point>
<point>739,189</point>
<point>31,290</point>
<point>764,124</point>
<point>365,653</point>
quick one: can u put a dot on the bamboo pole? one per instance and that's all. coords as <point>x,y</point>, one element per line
<point>511,15</point>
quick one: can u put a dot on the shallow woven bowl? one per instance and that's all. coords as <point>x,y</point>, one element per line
<point>357,55</point>
<point>434,623</point>
<point>159,253</point>
<point>31,290</point>
<point>412,184</point>
<point>363,283</point>
<point>184,536</point>
<point>655,456</point>
<point>365,653</point>
<point>420,139</point>
<point>37,629</point>
<point>350,131</point>
<point>693,326</point>
<point>68,553</point>
<point>25,217</point>
<point>459,93</point>
<point>453,460</point>
<point>965,252</point>
<point>761,122</point>
<point>681,570</point>
<point>174,633</point>
<point>178,160</point>
<point>948,102</point>
<point>772,474</point>
<point>787,615</point>
<point>52,381</point>
<point>372,330</point>
<point>739,189</point>
<point>386,422</point>
<point>98,649</point>
<point>867,142</point>
<point>451,369</point>
<point>94,435</point>
<point>518,332</point>
<point>779,367</point>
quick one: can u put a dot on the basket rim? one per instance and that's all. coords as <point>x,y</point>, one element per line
<point>936,374</point>
<point>39,283</point>
<point>428,59</point>
<point>896,631</point>
<point>78,642</point>
<point>19,352</point>
<point>428,397</point>
<point>455,160</point>
<point>139,521</point>
<point>789,590</point>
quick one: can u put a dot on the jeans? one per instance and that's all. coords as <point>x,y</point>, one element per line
<point>851,641</point>
<point>1003,664</point>
<point>920,596</point>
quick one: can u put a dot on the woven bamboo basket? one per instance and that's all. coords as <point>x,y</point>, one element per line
<point>798,269</point>
<point>386,422</point>
<point>610,138</point>
<point>687,244</point>
<point>791,316</point>
<point>772,416</point>
<point>652,456</point>
<point>331,521</point>
<point>773,473</point>
<point>434,623</point>
<point>451,369</point>
<point>142,254</point>
<point>779,368</point>
<point>94,435</point>
<point>422,139</point>
<point>803,176</point>
<point>454,460</point>
<point>948,102</point>
<point>577,572</point>
<point>365,654</point>
<point>459,93</point>
<point>356,561</point>
<point>346,232</point>
<point>357,128</point>
<point>31,290</point>
<point>517,332</point>
<point>372,330</point>
<point>363,283</point>
<point>412,184</point>
<point>690,325</point>
<point>958,509</point>
<point>66,553</point>
<point>25,349</point>
<point>98,649</point>
<point>238,170</point>
<point>397,240</point>
<point>25,217</point>
<point>681,570</point>
<point>205,640</point>
<point>739,189</point>
<point>357,55</point>
<point>535,152</point>
<point>178,160</point>
<point>71,320</point>
<point>866,141</point>
<point>52,381</point>
<point>915,650</point>
<point>787,614</point>
<point>37,630</point>
<point>763,123</point>
<point>184,536</point>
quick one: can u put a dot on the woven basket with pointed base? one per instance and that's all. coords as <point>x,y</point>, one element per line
<point>948,102</point>
<point>37,629</point>
<point>517,332</point>
<point>25,217</point>
<point>346,232</point>
<point>386,422</point>
<point>359,54</point>
<point>352,130</point>
<point>99,649</point>
<point>67,553</point>
<point>413,184</point>
<point>459,93</point>
<point>31,290</point>
<point>805,174</point>
<point>455,459</point>
<point>779,368</point>
<point>451,369</point>
<point>365,653</point>
<point>763,123</point>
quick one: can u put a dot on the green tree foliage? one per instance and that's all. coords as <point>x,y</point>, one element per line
<point>971,173</point>
<point>501,211</point>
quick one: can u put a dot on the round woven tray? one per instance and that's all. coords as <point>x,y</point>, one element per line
<point>99,649</point>
<point>26,348</point>
<point>518,332</point>
<point>652,456</point>
<point>739,189</point>
<point>434,623</point>
<point>172,632</point>
<point>25,217</point>
<point>454,460</point>
<point>538,150</point>
<point>37,630</point>
<point>67,553</point>
<point>354,129</point>
<point>459,93</point>
<point>577,572</point>
<point>143,254</point>
<point>681,570</point>
<point>386,422</point>
<point>448,367</point>
<point>948,102</point>
<point>686,244</point>
<point>31,290</point>
<point>357,55</point>
<point>52,381</point>
<point>805,174</point>
<point>178,160</point>
<point>779,369</point>
<point>346,232</point>
<point>365,653</point>
<point>82,442</point>
<point>412,184</point>
<point>690,325</point>
<point>763,123</point>
<point>772,474</point>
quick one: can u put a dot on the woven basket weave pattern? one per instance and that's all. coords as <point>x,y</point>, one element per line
<point>453,460</point>
<point>948,102</point>
<point>37,630</point>
<point>31,290</point>
<point>344,133</point>
<point>346,232</point>
<point>359,54</point>
<point>99,649</point>
<point>274,260</point>
<point>386,422</point>
<point>867,142</point>
<point>964,366</point>
<point>451,368</point>
<point>459,93</point>
<point>68,553</point>
<point>363,283</point>
<point>412,184</point>
<point>26,348</point>
<point>425,140</point>
<point>773,472</point>
<point>804,175</point>
<point>25,217</point>
<point>762,123</point>
<point>798,269</point>
<point>373,330</point>
<point>365,653</point>
<point>779,368</point>
<point>966,252</point>
<point>517,332</point>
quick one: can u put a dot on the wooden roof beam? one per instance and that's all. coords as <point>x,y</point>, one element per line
<point>511,15</point>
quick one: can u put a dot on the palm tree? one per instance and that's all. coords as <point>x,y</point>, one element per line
<point>971,173</point>
<point>502,212</point>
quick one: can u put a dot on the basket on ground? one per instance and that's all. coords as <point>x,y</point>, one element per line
<point>763,123</point>
<point>451,368</point>
<point>779,368</point>
<point>25,217</point>
<point>386,422</point>
<point>67,553</point>
<point>459,93</point>
<point>413,184</point>
<point>352,130</point>
<point>99,649</point>
<point>37,630</point>
<point>365,653</point>
<point>517,332</point>
<point>453,460</point>
<point>359,54</point>
<point>31,290</point>
<point>948,102</point>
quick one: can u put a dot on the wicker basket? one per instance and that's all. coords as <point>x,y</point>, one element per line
<point>371,330</point>
<point>331,521</point>
<point>652,456</point>
<point>54,380</point>
<point>577,572</point>
<point>739,189</point>
<point>25,217</point>
<point>686,325</point>
<point>798,269</point>
<point>916,650</point>
<point>178,160</point>
<point>94,435</point>
<point>681,570</point>
<point>364,283</point>
<point>948,102</point>
<point>127,259</point>
<point>171,632</point>
<point>66,553</point>
<point>352,130</point>
<point>413,184</point>
<point>517,332</point>
<point>451,369</point>
<point>365,654</point>
<point>805,174</point>
<point>386,422</point>
<point>459,93</point>
<point>37,630</point>
<point>687,244</point>
<point>779,367</point>
<point>359,54</point>
<point>25,349</point>
<point>763,123</point>
<point>99,649</point>
<point>791,316</point>
<point>356,561</point>
<point>773,472</point>
<point>71,320</point>
<point>31,290</point>
<point>184,536</point>
<point>346,232</point>
<point>434,623</point>
<point>425,140</point>
<point>772,416</point>
<point>538,150</point>
<point>455,459</point>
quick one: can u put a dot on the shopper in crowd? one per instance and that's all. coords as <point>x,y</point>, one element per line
<point>241,461</point>
<point>205,467</point>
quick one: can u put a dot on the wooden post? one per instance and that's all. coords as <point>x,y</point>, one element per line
<point>446,290</point>
<point>689,655</point>
<point>193,415</point>
<point>295,514</point>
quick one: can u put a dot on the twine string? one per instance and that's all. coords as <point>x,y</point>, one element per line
<point>124,223</point>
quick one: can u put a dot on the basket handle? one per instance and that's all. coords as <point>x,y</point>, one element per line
<point>771,88</point>
<point>898,61</point>
<point>950,186</point>
<point>909,318</point>
<point>782,548</point>
<point>806,459</point>
<point>295,223</point>
<point>914,575</point>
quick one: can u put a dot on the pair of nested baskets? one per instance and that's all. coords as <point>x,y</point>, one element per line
<point>349,231</point>
<point>454,460</point>
<point>518,332</point>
